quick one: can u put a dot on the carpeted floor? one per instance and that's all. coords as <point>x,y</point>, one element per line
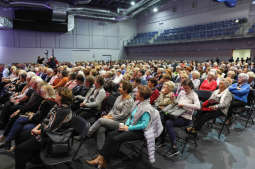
<point>234,151</point>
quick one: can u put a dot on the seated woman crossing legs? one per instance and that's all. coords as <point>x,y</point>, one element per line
<point>119,113</point>
<point>133,129</point>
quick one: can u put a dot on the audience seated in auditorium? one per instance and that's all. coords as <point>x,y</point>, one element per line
<point>26,87</point>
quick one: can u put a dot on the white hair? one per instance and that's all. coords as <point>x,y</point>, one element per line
<point>30,75</point>
<point>251,74</point>
<point>243,76</point>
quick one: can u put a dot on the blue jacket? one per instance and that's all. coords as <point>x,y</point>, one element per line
<point>241,94</point>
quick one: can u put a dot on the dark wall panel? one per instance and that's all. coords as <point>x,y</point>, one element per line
<point>196,50</point>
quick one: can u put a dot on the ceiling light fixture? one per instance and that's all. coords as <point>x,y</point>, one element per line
<point>155,9</point>
<point>237,20</point>
<point>132,3</point>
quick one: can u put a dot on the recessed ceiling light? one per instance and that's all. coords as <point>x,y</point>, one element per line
<point>132,3</point>
<point>155,9</point>
<point>237,20</point>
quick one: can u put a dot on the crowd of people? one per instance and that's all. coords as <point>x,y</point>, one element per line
<point>122,100</point>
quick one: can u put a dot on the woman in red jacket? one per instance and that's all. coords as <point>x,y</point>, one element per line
<point>152,83</point>
<point>209,83</point>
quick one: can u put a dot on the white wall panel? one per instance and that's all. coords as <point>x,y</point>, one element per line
<point>98,42</point>
<point>82,41</point>
<point>66,41</point>
<point>100,37</point>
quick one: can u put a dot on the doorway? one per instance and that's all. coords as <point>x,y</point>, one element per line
<point>241,53</point>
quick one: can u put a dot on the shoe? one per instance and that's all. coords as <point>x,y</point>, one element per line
<point>173,153</point>
<point>94,162</point>
<point>191,131</point>
<point>12,149</point>
<point>101,163</point>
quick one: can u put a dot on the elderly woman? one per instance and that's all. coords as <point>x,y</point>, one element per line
<point>209,83</point>
<point>119,113</point>
<point>93,99</point>
<point>166,96</point>
<point>58,119</point>
<point>183,76</point>
<point>133,129</point>
<point>251,79</point>
<point>63,79</point>
<point>240,92</point>
<point>223,98</point>
<point>195,79</point>
<point>231,74</point>
<point>189,101</point>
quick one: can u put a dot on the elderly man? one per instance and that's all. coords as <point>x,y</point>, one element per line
<point>240,93</point>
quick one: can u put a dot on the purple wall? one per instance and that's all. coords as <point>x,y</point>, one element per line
<point>205,11</point>
<point>195,51</point>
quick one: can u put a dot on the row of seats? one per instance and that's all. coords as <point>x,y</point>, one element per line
<point>203,31</point>
<point>143,38</point>
<point>252,29</point>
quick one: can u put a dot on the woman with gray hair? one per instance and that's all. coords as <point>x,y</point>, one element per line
<point>240,92</point>
<point>222,98</point>
<point>209,84</point>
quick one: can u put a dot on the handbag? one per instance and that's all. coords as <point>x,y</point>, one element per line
<point>173,110</point>
<point>206,105</point>
<point>58,143</point>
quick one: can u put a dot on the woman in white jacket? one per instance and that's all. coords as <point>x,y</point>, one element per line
<point>223,97</point>
<point>188,100</point>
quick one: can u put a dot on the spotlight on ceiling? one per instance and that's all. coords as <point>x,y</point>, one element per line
<point>155,9</point>
<point>237,20</point>
<point>132,3</point>
<point>253,2</point>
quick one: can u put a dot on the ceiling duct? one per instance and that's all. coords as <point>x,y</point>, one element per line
<point>60,13</point>
<point>137,6</point>
<point>144,7</point>
<point>113,19</point>
<point>29,4</point>
<point>59,16</point>
<point>98,11</point>
<point>82,2</point>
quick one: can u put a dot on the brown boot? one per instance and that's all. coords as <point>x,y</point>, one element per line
<point>95,161</point>
<point>102,163</point>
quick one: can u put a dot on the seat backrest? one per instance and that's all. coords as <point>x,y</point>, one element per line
<point>251,97</point>
<point>203,95</point>
<point>80,125</point>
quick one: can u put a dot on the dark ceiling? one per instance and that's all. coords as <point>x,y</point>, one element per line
<point>102,4</point>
